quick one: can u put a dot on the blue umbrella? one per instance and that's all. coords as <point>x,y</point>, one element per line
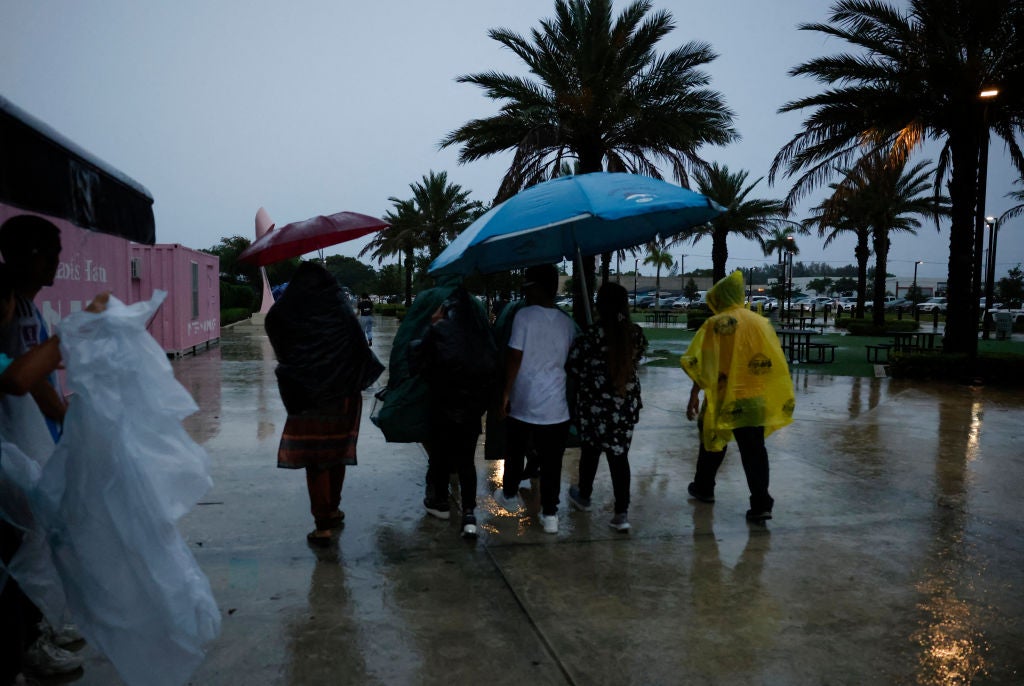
<point>574,216</point>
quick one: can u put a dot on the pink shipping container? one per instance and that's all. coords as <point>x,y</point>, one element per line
<point>190,316</point>
<point>107,235</point>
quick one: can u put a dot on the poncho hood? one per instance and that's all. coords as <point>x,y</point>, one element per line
<point>727,293</point>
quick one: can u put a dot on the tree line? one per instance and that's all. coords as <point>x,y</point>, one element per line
<point>601,95</point>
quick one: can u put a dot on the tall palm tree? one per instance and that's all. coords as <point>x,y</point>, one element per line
<point>659,256</point>
<point>914,74</point>
<point>840,214</point>
<point>403,237</point>
<point>750,219</point>
<point>444,210</point>
<point>888,196</point>
<point>782,241</point>
<point>600,94</point>
<point>428,221</point>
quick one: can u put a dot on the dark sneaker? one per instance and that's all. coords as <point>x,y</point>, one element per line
<point>45,659</point>
<point>620,522</point>
<point>436,508</point>
<point>758,515</point>
<point>577,500</point>
<point>697,494</point>
<point>469,525</point>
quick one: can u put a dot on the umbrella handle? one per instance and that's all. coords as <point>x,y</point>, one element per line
<point>583,285</point>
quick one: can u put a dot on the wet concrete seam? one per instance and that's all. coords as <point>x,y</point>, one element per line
<point>536,629</point>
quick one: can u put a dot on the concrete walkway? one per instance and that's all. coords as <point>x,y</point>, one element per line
<point>896,555</point>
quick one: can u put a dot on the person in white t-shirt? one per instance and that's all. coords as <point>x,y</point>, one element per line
<point>534,400</point>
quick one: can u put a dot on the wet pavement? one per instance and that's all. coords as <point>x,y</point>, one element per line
<point>896,555</point>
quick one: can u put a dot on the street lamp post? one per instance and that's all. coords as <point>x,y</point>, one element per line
<point>636,270</point>
<point>682,273</point>
<point>990,272</point>
<point>986,95</point>
<point>913,290</point>
<point>789,260</point>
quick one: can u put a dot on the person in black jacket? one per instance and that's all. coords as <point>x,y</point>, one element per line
<point>458,359</point>
<point>324,363</point>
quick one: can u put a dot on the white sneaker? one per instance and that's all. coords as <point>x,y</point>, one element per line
<point>513,505</point>
<point>550,523</point>
<point>43,658</point>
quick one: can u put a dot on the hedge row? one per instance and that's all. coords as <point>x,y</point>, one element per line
<point>994,369</point>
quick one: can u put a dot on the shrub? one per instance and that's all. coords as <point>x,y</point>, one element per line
<point>696,320</point>
<point>389,310</point>
<point>234,314</point>
<point>866,327</point>
<point>996,369</point>
<point>234,295</point>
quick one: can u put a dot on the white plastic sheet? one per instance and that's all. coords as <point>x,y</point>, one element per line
<point>110,495</point>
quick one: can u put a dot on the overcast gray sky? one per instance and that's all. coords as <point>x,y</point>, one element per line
<point>315,107</point>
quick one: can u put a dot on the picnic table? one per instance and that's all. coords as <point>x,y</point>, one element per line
<point>661,317</point>
<point>796,343</point>
<point>911,341</point>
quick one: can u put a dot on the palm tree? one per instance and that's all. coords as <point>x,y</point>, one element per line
<point>659,256</point>
<point>403,237</point>
<point>915,74</point>
<point>782,241</point>
<point>437,213</point>
<point>747,218</point>
<point>839,214</point>
<point>887,196</point>
<point>444,210</point>
<point>598,93</point>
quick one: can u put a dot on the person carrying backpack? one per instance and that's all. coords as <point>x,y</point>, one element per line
<point>458,359</point>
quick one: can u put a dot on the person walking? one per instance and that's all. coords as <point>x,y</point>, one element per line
<point>534,399</point>
<point>365,308</point>
<point>602,375</point>
<point>458,359</point>
<point>323,365</point>
<point>736,359</point>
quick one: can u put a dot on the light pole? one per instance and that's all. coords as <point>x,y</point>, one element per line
<point>636,270</point>
<point>682,273</point>
<point>986,95</point>
<point>990,272</point>
<point>913,291</point>
<point>789,259</point>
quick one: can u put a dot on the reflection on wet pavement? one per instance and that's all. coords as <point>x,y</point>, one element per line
<point>895,555</point>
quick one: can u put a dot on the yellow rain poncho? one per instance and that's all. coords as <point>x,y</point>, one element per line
<point>737,361</point>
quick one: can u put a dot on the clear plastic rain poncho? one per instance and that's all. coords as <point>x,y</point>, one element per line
<point>737,361</point>
<point>101,544</point>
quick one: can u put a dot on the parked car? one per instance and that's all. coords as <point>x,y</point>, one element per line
<point>644,300</point>
<point>766,302</point>
<point>932,304</point>
<point>663,301</point>
<point>846,303</point>
<point>817,303</point>
<point>996,305</point>
<point>898,303</point>
<point>680,303</point>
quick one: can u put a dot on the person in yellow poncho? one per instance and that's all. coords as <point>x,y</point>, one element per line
<point>737,361</point>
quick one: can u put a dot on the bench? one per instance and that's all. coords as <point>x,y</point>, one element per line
<point>819,350</point>
<point>874,353</point>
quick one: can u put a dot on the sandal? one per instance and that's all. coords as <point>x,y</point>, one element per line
<point>316,537</point>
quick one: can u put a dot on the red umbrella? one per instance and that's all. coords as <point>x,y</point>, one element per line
<point>299,238</point>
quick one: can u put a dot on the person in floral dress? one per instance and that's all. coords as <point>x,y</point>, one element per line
<point>602,373</point>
